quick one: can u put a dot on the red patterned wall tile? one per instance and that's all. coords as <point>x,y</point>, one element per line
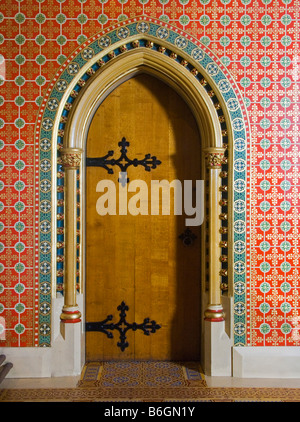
<point>9,49</point>
<point>260,42</point>
<point>30,8</point>
<point>30,29</point>
<point>30,49</point>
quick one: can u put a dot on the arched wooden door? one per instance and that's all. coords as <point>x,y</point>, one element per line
<point>141,259</point>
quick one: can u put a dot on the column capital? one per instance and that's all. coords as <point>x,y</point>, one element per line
<point>215,157</point>
<point>70,157</point>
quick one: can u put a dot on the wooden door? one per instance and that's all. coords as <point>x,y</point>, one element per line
<point>140,259</point>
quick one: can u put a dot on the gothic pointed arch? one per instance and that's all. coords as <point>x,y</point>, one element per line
<point>86,78</point>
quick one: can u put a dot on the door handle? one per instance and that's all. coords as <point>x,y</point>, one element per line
<point>187,237</point>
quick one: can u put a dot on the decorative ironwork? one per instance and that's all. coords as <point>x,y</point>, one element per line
<point>122,326</point>
<point>187,237</point>
<point>123,162</point>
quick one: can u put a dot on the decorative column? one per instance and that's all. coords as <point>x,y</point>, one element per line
<point>214,159</point>
<point>71,159</point>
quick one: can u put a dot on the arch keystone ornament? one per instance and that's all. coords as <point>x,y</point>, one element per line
<point>142,45</point>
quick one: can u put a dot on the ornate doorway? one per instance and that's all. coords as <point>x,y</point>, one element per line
<point>208,114</point>
<point>144,259</point>
<point>110,58</point>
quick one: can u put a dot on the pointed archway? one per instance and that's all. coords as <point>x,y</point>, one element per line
<point>89,75</point>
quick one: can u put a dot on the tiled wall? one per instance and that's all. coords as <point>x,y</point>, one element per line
<point>258,41</point>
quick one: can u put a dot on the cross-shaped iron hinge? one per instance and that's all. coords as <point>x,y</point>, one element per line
<point>122,326</point>
<point>123,162</point>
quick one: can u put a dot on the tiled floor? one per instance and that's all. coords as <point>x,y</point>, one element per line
<point>148,381</point>
<point>71,382</point>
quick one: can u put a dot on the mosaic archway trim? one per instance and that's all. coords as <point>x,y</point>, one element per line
<point>62,92</point>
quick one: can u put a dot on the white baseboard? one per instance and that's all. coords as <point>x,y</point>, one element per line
<point>248,362</point>
<point>62,359</point>
<point>65,357</point>
<point>28,362</point>
<point>266,362</point>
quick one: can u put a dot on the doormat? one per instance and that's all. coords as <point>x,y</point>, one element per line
<point>90,374</point>
<point>141,374</point>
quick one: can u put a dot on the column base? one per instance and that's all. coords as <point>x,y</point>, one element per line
<point>70,314</point>
<point>217,349</point>
<point>214,313</point>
